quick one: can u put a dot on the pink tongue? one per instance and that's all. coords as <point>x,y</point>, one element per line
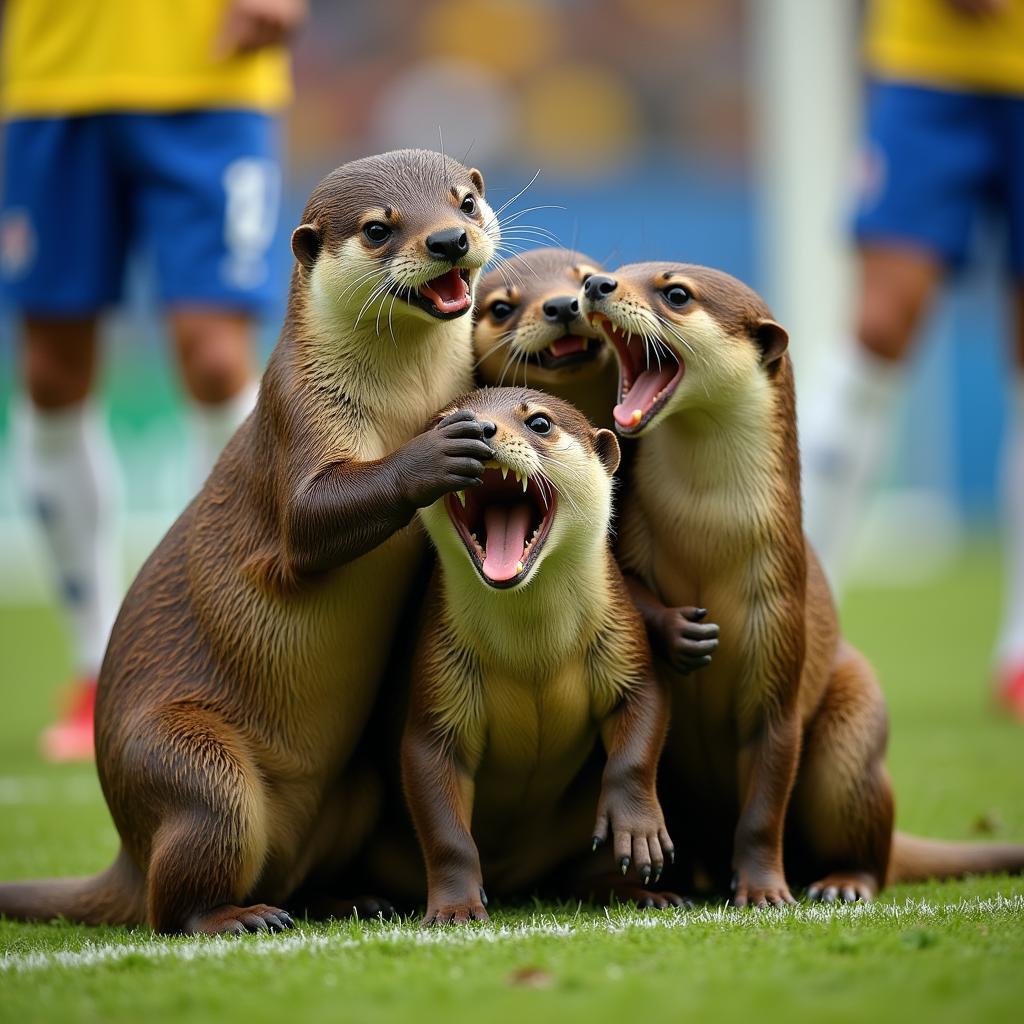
<point>506,539</point>
<point>642,394</point>
<point>570,343</point>
<point>449,288</point>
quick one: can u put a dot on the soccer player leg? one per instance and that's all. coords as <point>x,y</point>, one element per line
<point>210,211</point>
<point>61,258</point>
<point>924,169</point>
<point>1010,650</point>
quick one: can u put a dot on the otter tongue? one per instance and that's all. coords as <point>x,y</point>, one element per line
<point>447,292</point>
<point>506,540</point>
<point>642,395</point>
<point>563,346</point>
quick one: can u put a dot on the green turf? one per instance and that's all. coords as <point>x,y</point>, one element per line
<point>938,952</point>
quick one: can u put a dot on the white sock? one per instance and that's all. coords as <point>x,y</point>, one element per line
<point>68,474</point>
<point>211,427</point>
<point>1011,639</point>
<point>843,439</point>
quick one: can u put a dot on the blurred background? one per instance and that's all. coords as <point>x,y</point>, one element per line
<point>684,130</point>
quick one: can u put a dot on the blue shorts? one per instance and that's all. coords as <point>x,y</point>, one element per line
<point>196,193</point>
<point>935,160</point>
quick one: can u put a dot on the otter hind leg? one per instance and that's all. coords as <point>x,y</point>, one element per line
<point>842,805</point>
<point>210,841</point>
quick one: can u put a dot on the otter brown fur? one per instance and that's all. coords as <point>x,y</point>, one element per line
<point>531,649</point>
<point>785,731</point>
<point>250,647</point>
<point>529,328</point>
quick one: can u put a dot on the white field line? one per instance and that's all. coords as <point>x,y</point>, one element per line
<point>617,921</point>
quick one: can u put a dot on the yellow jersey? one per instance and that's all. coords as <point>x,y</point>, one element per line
<point>931,43</point>
<point>67,57</point>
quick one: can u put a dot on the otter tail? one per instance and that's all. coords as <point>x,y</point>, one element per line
<point>915,859</point>
<point>114,896</point>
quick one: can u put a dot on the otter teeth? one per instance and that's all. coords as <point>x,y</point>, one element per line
<point>638,415</point>
<point>504,472</point>
<point>519,567</point>
<point>461,495</point>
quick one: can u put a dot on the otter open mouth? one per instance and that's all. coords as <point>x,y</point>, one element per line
<point>446,296</point>
<point>503,523</point>
<point>569,350</point>
<point>648,375</point>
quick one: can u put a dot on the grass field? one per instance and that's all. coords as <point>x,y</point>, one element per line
<point>937,952</point>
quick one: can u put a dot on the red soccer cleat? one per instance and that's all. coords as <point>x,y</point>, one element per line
<point>1010,692</point>
<point>71,738</point>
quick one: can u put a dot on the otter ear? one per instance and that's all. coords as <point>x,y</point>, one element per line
<point>306,244</point>
<point>478,180</point>
<point>772,339</point>
<point>606,444</point>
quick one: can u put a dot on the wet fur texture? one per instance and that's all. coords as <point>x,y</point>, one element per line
<point>511,688</point>
<point>250,647</point>
<point>784,733</point>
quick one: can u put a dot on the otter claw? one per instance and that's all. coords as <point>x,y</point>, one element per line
<point>624,864</point>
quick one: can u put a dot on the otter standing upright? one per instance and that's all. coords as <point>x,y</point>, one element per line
<point>249,649</point>
<point>530,650</point>
<point>713,517</point>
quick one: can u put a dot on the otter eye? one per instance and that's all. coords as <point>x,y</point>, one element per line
<point>377,233</point>
<point>468,205</point>
<point>676,295</point>
<point>501,310</point>
<point>539,423</point>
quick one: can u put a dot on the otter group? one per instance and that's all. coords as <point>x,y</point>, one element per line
<point>281,685</point>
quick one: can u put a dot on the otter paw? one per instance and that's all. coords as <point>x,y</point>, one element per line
<point>762,892</point>
<point>231,920</point>
<point>687,640</point>
<point>456,912</point>
<point>450,457</point>
<point>637,828</point>
<point>843,887</point>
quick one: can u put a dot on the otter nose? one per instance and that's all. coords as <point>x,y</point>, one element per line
<point>562,310</point>
<point>599,286</point>
<point>450,244</point>
<point>490,429</point>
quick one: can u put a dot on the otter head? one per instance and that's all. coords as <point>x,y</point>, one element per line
<point>547,490</point>
<point>528,315</point>
<point>399,238</point>
<point>685,337</point>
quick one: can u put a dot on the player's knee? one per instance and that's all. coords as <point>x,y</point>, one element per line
<point>885,331</point>
<point>215,356</point>
<point>888,318</point>
<point>58,373</point>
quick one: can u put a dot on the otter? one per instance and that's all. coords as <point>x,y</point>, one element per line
<point>537,322</point>
<point>250,646</point>
<point>529,326</point>
<point>784,733</point>
<point>529,651</point>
